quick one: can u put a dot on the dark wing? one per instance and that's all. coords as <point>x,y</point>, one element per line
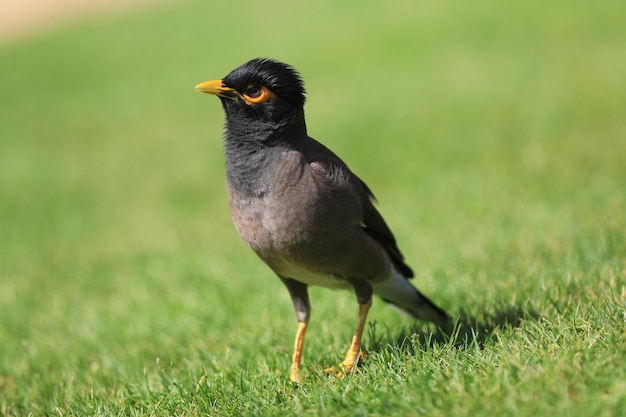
<point>373,223</point>
<point>376,227</point>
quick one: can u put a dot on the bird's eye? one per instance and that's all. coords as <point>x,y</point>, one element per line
<point>254,91</point>
<point>255,94</point>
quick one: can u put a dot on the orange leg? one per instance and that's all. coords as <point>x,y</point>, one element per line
<point>294,372</point>
<point>352,355</point>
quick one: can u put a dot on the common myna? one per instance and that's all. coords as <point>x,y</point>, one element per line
<point>300,208</point>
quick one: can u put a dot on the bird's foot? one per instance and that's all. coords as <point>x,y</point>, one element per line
<point>348,366</point>
<point>294,376</point>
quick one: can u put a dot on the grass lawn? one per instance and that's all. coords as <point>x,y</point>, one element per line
<point>493,134</point>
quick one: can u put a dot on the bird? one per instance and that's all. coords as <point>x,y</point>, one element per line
<point>300,207</point>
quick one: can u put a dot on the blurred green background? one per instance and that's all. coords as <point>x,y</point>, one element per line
<point>493,135</point>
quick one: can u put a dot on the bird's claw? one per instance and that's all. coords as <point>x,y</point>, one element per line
<point>341,372</point>
<point>294,376</point>
<point>347,367</point>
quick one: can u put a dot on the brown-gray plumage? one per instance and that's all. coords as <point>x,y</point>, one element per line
<point>300,208</point>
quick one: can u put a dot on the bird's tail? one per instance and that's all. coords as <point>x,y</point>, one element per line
<point>398,291</point>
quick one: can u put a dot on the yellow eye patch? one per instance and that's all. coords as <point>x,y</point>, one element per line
<point>255,94</point>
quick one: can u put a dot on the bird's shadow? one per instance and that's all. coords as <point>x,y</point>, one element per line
<point>463,331</point>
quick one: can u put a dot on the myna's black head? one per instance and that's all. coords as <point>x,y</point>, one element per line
<point>261,94</point>
<point>262,79</point>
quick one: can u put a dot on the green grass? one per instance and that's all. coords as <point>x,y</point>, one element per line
<point>492,134</point>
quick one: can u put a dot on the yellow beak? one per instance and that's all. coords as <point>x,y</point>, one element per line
<point>217,88</point>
